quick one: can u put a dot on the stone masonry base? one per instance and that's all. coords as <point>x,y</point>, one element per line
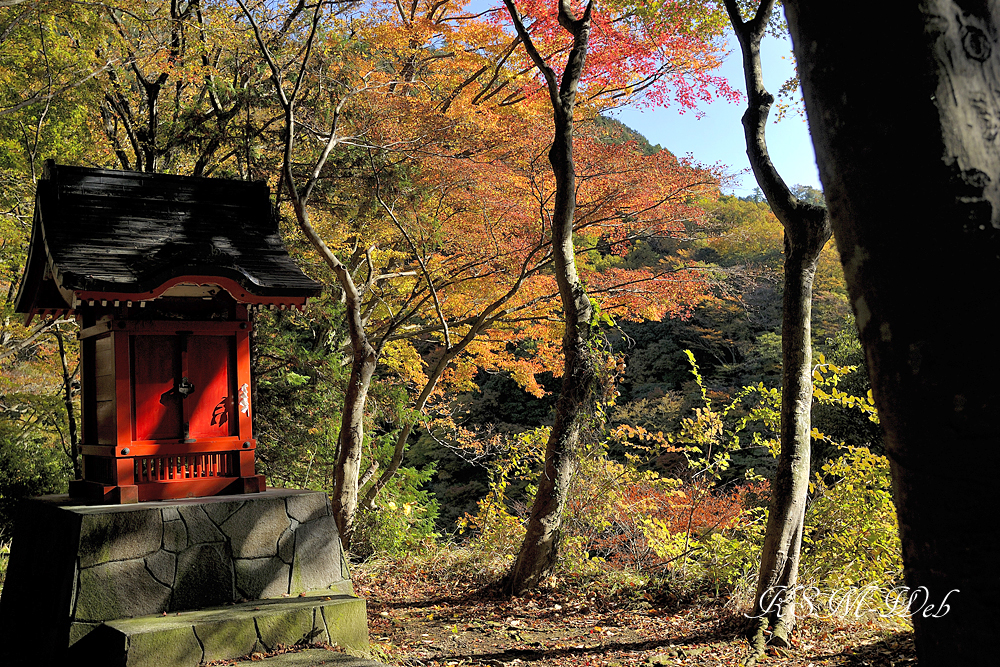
<point>89,581</point>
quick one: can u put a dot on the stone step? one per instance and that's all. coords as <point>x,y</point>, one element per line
<point>311,657</point>
<point>191,638</point>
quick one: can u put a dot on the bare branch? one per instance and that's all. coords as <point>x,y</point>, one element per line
<point>529,46</point>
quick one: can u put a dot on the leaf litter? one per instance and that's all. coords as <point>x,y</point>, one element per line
<point>428,617</point>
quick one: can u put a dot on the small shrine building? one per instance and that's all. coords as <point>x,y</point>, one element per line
<point>162,273</point>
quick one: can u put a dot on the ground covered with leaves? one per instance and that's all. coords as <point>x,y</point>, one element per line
<point>419,615</point>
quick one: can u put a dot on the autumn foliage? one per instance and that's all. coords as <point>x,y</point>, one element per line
<point>431,128</point>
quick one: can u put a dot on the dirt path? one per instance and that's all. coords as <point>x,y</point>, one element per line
<point>415,619</point>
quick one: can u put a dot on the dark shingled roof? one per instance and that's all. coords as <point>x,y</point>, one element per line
<point>129,232</point>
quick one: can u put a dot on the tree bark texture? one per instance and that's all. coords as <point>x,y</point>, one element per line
<point>904,109</point>
<point>352,426</point>
<point>779,563</point>
<point>537,555</point>
<point>807,229</point>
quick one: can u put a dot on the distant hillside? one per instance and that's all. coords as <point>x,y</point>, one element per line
<point>617,132</point>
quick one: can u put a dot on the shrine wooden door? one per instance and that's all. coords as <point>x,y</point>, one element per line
<point>184,387</point>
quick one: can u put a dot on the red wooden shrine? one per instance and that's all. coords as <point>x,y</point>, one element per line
<point>162,273</point>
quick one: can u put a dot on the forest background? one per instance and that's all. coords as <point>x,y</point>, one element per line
<point>415,138</point>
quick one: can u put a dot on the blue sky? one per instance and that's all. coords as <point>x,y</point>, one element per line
<point>718,135</point>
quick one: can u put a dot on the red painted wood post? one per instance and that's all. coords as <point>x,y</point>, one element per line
<point>127,491</point>
<point>244,405</point>
<point>123,389</point>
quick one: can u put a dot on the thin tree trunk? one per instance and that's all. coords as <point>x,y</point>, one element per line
<point>74,444</point>
<point>352,427</point>
<point>807,229</point>
<point>783,536</point>
<point>364,355</point>
<point>537,555</point>
<point>903,103</point>
<point>433,378</point>
<point>404,433</point>
<point>363,364</point>
<point>476,325</point>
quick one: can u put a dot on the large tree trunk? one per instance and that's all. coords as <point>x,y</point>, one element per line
<point>807,229</point>
<point>537,555</point>
<point>904,110</point>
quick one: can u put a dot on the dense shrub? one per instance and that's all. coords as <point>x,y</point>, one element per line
<point>28,467</point>
<point>404,513</point>
<point>624,517</point>
<point>851,536</point>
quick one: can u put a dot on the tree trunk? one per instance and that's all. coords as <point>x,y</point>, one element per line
<point>903,103</point>
<point>74,444</point>
<point>807,229</point>
<point>351,438</point>
<point>352,426</point>
<point>537,555</point>
<point>364,361</point>
<point>779,563</point>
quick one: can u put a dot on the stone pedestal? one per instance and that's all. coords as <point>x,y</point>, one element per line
<point>186,572</point>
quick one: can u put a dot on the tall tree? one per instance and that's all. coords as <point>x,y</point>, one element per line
<point>288,90</point>
<point>807,229</point>
<point>449,204</point>
<point>538,551</point>
<point>640,53</point>
<point>486,255</point>
<point>905,125</point>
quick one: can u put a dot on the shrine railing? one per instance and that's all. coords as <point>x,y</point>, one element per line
<point>185,468</point>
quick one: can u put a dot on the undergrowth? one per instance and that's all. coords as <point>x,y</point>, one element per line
<point>633,528</point>
<point>4,559</point>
